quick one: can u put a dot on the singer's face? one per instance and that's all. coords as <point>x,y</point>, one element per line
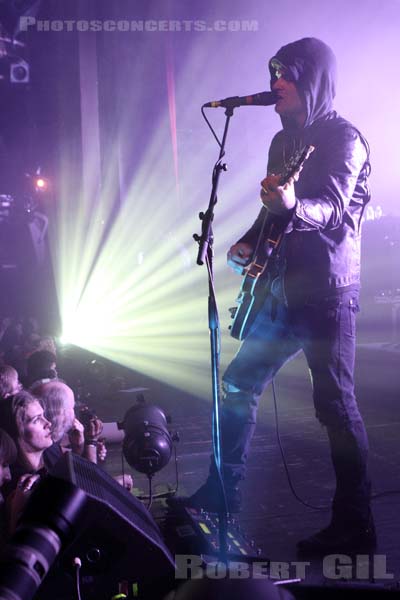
<point>289,103</point>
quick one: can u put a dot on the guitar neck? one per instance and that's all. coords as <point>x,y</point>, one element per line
<point>296,167</point>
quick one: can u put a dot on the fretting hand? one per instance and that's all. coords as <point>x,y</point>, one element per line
<point>278,199</point>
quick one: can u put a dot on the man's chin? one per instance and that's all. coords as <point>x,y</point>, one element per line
<point>279,110</point>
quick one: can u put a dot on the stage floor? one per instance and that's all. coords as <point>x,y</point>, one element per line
<point>271,515</point>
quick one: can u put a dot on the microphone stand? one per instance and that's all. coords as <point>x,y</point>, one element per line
<point>205,254</point>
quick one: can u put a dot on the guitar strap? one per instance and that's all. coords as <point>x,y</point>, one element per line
<point>277,284</point>
<point>260,238</point>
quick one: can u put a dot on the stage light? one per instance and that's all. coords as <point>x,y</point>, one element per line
<point>147,444</point>
<point>19,72</point>
<point>64,340</point>
<point>40,184</point>
<point>128,284</point>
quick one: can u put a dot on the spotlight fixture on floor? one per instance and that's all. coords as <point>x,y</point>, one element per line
<point>19,71</point>
<point>147,445</point>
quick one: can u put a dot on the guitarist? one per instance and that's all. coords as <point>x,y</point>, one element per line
<point>313,297</point>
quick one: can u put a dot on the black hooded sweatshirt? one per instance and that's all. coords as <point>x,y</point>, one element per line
<point>320,254</point>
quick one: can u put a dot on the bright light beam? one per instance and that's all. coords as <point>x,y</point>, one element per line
<point>139,299</point>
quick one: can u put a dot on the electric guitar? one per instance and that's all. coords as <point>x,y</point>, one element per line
<point>257,274</point>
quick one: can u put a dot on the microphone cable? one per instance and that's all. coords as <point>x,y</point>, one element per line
<point>289,479</point>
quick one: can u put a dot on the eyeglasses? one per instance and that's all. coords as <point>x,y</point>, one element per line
<point>277,67</point>
<point>279,70</point>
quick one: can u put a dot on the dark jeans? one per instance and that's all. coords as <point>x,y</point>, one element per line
<point>325,331</point>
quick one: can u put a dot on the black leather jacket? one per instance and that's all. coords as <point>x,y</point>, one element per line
<point>321,250</point>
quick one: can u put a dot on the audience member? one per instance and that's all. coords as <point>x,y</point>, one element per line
<point>59,401</point>
<point>9,382</point>
<point>19,338</point>
<point>41,365</point>
<point>22,417</point>
<point>8,456</point>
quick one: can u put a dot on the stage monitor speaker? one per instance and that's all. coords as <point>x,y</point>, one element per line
<point>120,537</point>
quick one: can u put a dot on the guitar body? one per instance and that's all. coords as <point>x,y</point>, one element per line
<point>256,284</point>
<point>252,295</point>
<point>258,275</point>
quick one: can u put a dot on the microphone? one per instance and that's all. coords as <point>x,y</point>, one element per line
<point>260,99</point>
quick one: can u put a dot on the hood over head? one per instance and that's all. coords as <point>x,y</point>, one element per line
<point>311,65</point>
